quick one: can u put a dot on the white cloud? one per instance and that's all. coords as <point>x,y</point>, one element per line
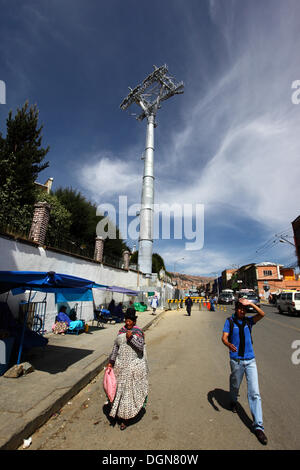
<point>105,177</point>
<point>204,262</point>
<point>255,169</point>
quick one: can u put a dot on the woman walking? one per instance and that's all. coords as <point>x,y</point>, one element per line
<point>128,359</point>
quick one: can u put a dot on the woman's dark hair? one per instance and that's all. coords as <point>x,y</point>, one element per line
<point>130,314</point>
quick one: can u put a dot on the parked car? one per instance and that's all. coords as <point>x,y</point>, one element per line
<point>252,297</point>
<point>289,302</point>
<point>225,299</point>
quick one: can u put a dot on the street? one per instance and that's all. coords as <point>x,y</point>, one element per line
<point>188,400</point>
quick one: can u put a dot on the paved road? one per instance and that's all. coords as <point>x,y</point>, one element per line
<point>188,400</point>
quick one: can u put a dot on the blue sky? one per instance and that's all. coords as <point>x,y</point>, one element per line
<point>230,142</point>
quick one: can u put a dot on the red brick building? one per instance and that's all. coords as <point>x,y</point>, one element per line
<point>264,278</point>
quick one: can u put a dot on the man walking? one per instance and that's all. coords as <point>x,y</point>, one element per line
<point>188,304</point>
<point>212,304</point>
<point>237,337</point>
<point>154,304</point>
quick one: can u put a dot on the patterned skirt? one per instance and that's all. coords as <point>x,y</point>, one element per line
<point>131,373</point>
<point>60,327</point>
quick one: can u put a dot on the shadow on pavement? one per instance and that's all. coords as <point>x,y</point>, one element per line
<point>130,422</point>
<point>55,359</point>
<point>222,397</point>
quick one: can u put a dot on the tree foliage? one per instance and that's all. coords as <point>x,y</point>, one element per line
<point>60,218</point>
<point>21,153</point>
<point>157,261</point>
<point>84,221</point>
<point>21,156</point>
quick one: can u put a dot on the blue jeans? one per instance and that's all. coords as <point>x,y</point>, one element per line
<point>247,367</point>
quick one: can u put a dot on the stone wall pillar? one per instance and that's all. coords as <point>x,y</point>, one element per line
<point>126,258</point>
<point>40,222</point>
<point>99,249</point>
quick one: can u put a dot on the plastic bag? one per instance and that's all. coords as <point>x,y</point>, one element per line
<point>110,383</point>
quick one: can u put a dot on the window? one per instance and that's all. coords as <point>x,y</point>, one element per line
<point>268,273</point>
<point>283,296</point>
<point>289,296</point>
<point>297,296</point>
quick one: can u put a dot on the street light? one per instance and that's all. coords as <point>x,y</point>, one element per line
<point>283,240</point>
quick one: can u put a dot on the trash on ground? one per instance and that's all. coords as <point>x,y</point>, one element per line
<point>27,442</point>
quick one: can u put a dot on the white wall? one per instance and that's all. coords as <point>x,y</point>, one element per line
<point>20,256</point>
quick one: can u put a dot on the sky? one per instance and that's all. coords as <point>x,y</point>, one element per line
<point>230,144</point>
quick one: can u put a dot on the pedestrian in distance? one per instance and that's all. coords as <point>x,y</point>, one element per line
<point>237,336</point>
<point>154,304</point>
<point>129,362</point>
<point>188,304</point>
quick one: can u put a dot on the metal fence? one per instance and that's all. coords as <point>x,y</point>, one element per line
<point>62,243</point>
<point>9,227</point>
<point>70,246</point>
<point>36,312</point>
<point>113,260</point>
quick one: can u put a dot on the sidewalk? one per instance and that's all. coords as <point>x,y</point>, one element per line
<point>62,369</point>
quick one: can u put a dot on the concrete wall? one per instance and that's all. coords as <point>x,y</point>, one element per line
<point>16,255</point>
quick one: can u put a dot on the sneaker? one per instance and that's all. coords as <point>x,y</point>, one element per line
<point>233,406</point>
<point>261,436</point>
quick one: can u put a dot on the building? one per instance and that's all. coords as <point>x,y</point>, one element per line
<point>46,186</point>
<point>265,278</point>
<point>296,230</point>
<point>227,278</point>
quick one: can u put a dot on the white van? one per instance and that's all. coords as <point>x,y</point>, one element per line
<point>289,301</point>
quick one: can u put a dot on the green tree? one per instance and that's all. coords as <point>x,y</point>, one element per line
<point>13,213</point>
<point>60,219</point>
<point>21,153</point>
<point>21,157</point>
<point>84,221</point>
<point>157,262</point>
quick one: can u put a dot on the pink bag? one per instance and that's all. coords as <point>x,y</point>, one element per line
<point>110,383</point>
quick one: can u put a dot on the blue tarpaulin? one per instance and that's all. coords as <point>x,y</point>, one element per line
<point>43,281</point>
<point>66,296</point>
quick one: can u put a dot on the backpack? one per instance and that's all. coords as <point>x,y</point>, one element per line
<point>246,322</point>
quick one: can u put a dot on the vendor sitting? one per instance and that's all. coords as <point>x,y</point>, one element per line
<point>63,322</point>
<point>119,312</point>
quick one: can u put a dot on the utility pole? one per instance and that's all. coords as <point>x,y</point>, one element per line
<point>157,87</point>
